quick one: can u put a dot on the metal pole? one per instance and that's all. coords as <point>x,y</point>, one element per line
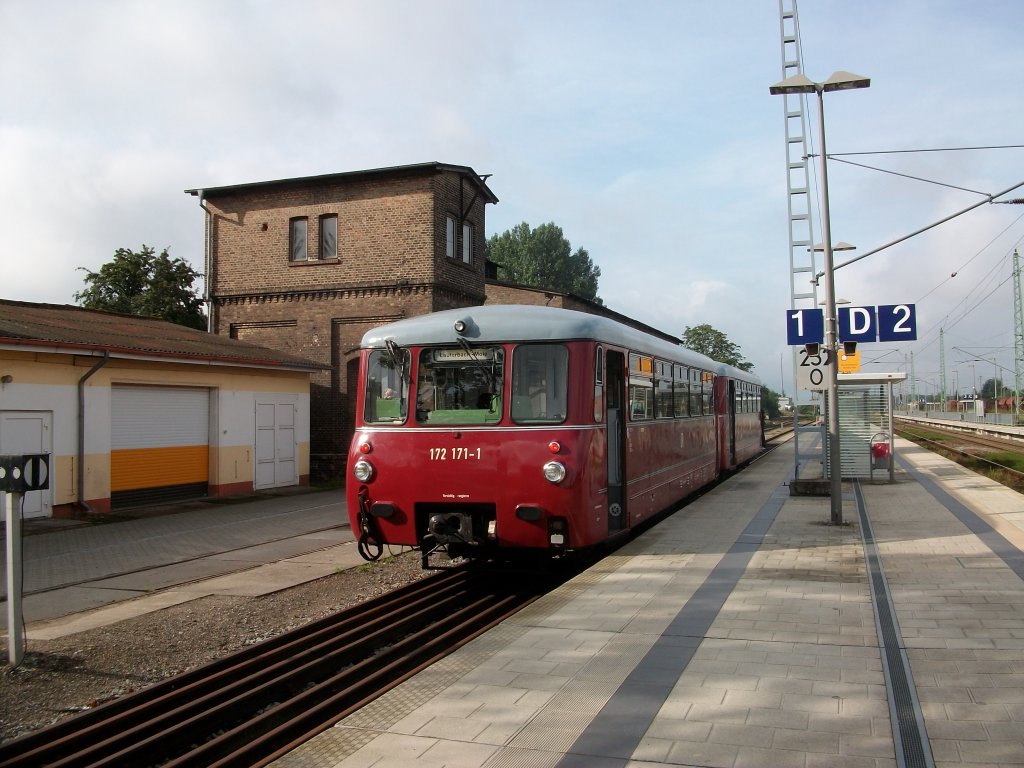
<point>15,640</point>
<point>835,472</point>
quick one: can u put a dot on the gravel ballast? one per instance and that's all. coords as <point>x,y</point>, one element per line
<point>61,677</point>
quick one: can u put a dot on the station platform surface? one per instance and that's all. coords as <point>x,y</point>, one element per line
<point>78,575</point>
<point>746,631</point>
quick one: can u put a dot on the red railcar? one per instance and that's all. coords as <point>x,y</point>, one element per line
<point>495,431</point>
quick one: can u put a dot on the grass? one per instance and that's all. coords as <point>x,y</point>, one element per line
<point>984,462</point>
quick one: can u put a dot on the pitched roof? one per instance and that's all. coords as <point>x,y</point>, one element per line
<point>70,329</point>
<point>417,169</point>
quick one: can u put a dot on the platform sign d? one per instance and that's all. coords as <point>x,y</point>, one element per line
<point>805,326</point>
<point>857,324</point>
<point>897,322</point>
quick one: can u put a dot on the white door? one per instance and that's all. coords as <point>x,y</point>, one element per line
<point>30,432</point>
<point>275,444</point>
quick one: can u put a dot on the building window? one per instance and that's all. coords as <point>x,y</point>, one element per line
<point>467,243</point>
<point>328,237</point>
<point>449,246</point>
<point>297,239</point>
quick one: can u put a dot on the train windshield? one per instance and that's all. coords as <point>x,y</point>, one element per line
<point>540,382</point>
<point>460,385</point>
<point>387,386</point>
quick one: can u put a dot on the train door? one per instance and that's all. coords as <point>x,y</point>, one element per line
<point>730,407</point>
<point>615,365</point>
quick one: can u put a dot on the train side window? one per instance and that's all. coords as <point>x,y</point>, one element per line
<point>387,387</point>
<point>681,393</point>
<point>540,382</point>
<point>641,387</point>
<point>663,407</point>
<point>708,380</point>
<point>695,393</point>
<point>599,384</point>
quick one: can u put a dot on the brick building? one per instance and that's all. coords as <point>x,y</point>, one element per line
<point>308,265</point>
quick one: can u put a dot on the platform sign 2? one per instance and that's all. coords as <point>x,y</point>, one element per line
<point>805,326</point>
<point>897,322</point>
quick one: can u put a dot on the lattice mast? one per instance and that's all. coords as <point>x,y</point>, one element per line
<point>913,382</point>
<point>1018,334</point>
<point>803,289</point>
<point>942,367</point>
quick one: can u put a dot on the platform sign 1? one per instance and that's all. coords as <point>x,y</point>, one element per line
<point>805,326</point>
<point>897,322</point>
<point>857,324</point>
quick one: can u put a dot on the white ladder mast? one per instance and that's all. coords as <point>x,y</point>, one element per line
<point>803,288</point>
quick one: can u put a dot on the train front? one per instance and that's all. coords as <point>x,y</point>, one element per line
<point>461,448</point>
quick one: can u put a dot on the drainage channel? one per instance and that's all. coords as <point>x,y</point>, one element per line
<point>909,734</point>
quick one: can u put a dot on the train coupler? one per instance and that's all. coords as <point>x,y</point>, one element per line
<point>369,544</point>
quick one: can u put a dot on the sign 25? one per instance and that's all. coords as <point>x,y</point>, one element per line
<point>811,370</point>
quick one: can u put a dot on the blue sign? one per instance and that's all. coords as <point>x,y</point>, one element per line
<point>857,324</point>
<point>897,322</point>
<point>805,326</point>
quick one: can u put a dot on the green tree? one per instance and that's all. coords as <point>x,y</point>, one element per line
<point>145,284</point>
<point>770,403</point>
<point>993,388</point>
<point>543,258</point>
<point>716,345</point>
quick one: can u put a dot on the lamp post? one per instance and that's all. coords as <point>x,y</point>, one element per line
<point>800,84</point>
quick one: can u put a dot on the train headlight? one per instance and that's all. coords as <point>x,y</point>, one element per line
<point>363,471</point>
<point>554,471</point>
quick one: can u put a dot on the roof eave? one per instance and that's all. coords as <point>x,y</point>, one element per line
<point>415,169</point>
<point>96,350</point>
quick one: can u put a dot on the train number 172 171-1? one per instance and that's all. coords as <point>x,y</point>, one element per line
<point>458,453</point>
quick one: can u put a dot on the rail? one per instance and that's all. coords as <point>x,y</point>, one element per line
<point>253,706</point>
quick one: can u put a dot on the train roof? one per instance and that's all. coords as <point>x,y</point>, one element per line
<point>496,323</point>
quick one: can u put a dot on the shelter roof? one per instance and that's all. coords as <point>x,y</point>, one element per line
<point>69,329</point>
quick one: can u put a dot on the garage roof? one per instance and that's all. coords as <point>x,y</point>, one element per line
<point>74,330</point>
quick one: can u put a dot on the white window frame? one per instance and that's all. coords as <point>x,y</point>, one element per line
<point>325,252</point>
<point>449,247</point>
<point>467,242</point>
<point>298,251</point>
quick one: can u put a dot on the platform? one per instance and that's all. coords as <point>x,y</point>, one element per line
<point>78,575</point>
<point>745,631</point>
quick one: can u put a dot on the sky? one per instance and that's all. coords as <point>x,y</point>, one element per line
<point>645,129</point>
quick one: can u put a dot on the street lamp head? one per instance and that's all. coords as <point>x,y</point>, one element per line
<point>838,81</point>
<point>845,81</point>
<point>800,83</point>
<point>842,245</point>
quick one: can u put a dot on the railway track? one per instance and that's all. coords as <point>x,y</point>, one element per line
<point>249,708</point>
<point>968,446</point>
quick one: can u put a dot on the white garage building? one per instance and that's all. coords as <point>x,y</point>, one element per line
<point>135,411</point>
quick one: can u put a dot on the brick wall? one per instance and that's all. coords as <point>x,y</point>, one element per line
<point>391,264</point>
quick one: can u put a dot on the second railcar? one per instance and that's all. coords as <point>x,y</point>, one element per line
<point>501,430</point>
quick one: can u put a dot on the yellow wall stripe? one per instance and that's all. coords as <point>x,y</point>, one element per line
<point>135,468</point>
